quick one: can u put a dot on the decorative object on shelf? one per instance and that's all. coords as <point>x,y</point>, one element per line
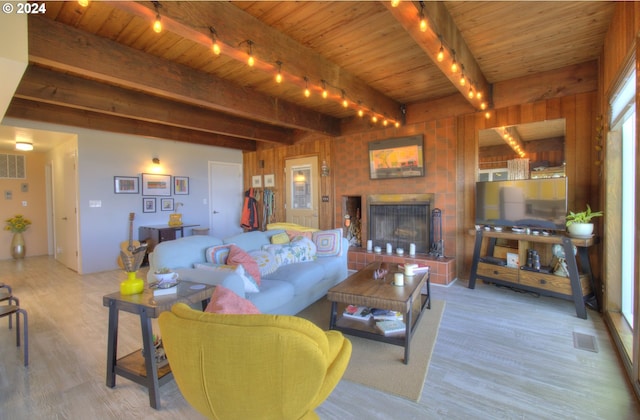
<point>126,185</point>
<point>161,356</point>
<point>156,184</point>
<point>175,219</point>
<point>17,224</point>
<point>579,224</point>
<point>560,267</point>
<point>181,185</point>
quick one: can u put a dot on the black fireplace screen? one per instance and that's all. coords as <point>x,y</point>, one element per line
<point>400,225</point>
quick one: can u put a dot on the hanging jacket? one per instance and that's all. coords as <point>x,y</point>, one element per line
<point>249,219</point>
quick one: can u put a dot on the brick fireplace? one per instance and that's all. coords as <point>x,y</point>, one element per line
<point>350,169</point>
<point>401,220</point>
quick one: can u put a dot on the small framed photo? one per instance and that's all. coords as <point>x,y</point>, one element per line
<point>513,260</point>
<point>256,181</point>
<point>180,185</point>
<point>148,205</point>
<point>126,185</point>
<point>166,204</point>
<point>154,184</point>
<point>269,181</point>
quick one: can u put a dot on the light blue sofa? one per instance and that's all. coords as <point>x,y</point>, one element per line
<point>286,291</point>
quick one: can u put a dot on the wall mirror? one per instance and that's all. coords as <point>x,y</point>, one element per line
<point>541,142</point>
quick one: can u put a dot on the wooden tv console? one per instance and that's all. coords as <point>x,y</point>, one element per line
<point>578,285</point>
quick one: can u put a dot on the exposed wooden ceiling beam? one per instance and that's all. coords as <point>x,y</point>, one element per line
<point>192,20</point>
<point>41,111</point>
<point>63,48</point>
<point>442,31</point>
<point>42,85</point>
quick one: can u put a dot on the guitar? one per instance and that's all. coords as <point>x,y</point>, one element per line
<point>128,246</point>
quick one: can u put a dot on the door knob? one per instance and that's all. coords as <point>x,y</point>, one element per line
<point>216,212</point>
<point>64,218</point>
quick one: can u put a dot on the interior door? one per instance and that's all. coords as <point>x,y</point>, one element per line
<point>225,198</point>
<point>302,200</point>
<point>65,208</point>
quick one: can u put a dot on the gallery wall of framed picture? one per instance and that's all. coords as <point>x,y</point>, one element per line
<point>153,185</point>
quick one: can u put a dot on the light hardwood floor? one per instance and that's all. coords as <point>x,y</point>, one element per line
<point>499,355</point>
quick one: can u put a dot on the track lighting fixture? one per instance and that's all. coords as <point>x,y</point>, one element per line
<point>157,24</point>
<point>307,92</point>
<point>250,60</point>
<point>279,74</point>
<point>423,19</point>
<point>214,37</point>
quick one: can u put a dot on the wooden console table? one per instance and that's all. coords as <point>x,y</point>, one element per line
<point>153,235</point>
<point>580,280</point>
<point>140,366</point>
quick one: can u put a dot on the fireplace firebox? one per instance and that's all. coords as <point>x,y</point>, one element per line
<point>401,220</point>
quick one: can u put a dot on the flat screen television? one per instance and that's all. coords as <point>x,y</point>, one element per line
<point>533,203</point>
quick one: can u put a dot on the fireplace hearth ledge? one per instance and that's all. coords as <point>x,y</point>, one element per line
<point>443,269</point>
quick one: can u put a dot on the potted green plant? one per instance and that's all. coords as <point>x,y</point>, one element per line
<point>579,224</point>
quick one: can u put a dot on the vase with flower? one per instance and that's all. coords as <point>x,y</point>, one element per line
<point>17,224</point>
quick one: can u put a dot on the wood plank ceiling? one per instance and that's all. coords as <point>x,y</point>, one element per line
<point>103,66</point>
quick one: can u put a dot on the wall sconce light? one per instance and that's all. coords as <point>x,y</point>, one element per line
<point>155,161</point>
<point>324,169</point>
<point>24,146</point>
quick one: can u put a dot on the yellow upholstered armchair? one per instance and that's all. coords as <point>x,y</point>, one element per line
<point>252,366</point>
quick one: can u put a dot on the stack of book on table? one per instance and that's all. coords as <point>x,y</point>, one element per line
<point>360,313</point>
<point>391,327</point>
<point>386,314</point>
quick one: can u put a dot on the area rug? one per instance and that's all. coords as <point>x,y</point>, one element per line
<point>380,365</point>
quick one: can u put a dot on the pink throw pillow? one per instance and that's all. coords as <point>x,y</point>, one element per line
<point>295,233</point>
<point>225,301</point>
<point>238,256</point>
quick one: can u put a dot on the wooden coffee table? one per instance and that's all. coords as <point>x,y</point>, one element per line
<point>363,290</point>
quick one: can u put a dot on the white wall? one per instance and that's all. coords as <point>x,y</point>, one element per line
<point>103,155</point>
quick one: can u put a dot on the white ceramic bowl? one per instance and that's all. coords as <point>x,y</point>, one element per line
<point>166,277</point>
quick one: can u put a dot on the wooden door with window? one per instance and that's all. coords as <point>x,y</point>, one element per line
<point>302,198</point>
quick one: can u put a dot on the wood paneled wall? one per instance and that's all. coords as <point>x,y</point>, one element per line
<point>452,143</point>
<point>580,112</point>
<point>269,159</point>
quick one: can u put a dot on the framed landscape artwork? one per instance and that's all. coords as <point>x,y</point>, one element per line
<point>154,184</point>
<point>401,157</point>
